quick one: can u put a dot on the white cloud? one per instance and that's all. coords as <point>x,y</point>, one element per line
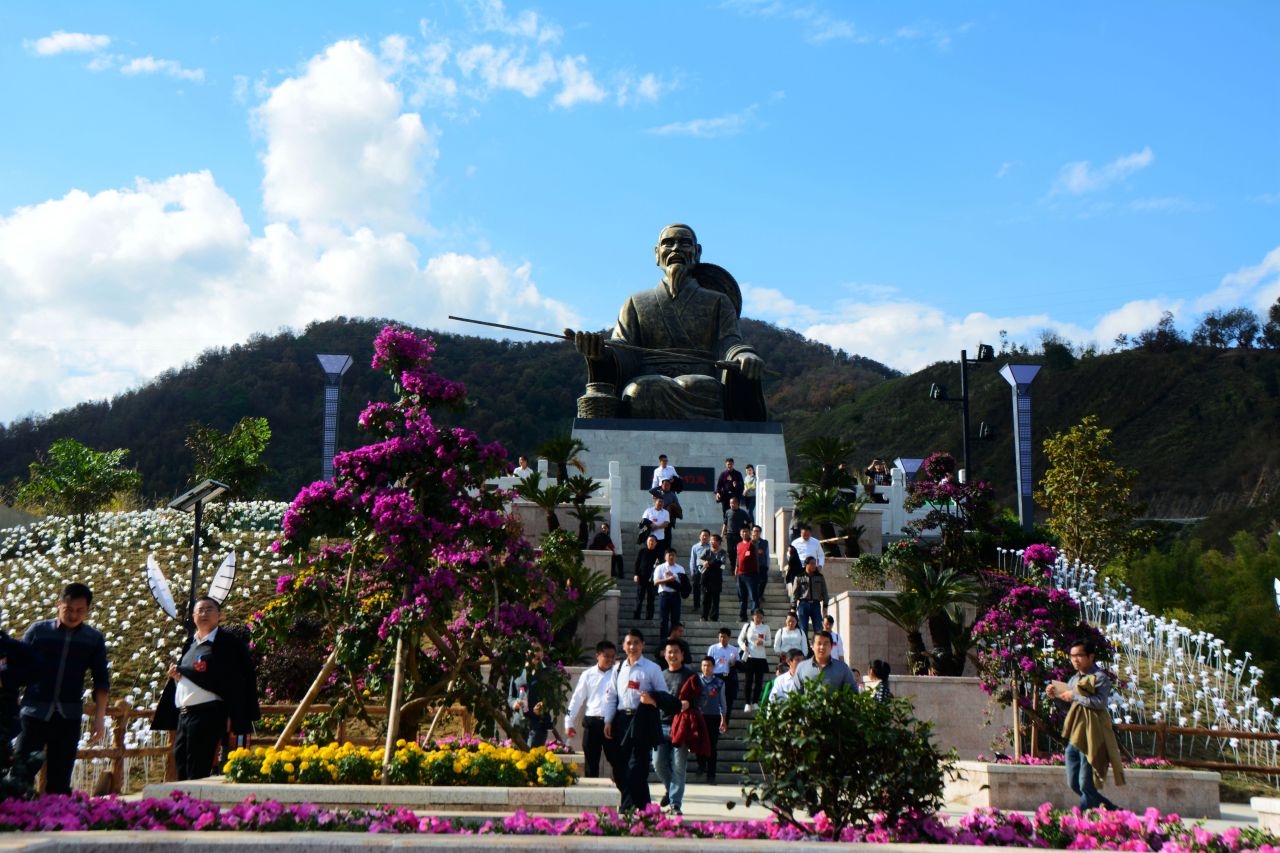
<point>63,42</point>
<point>109,288</point>
<point>339,149</point>
<point>492,17</point>
<point>171,67</point>
<point>577,82</point>
<point>817,26</point>
<point>1080,177</point>
<point>1256,286</point>
<point>630,89</point>
<point>508,68</point>
<point>1005,168</point>
<point>708,128</point>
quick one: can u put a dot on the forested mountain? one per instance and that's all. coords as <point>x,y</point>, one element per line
<point>520,394</point>
<point>1201,426</point>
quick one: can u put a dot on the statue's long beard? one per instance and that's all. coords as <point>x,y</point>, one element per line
<point>676,274</point>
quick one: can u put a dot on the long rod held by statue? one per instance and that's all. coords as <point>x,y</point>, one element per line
<point>723,365</point>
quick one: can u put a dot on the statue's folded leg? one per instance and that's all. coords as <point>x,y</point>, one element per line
<point>684,398</point>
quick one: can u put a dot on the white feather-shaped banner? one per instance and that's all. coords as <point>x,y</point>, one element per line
<point>1277,580</point>
<point>160,587</point>
<point>220,587</point>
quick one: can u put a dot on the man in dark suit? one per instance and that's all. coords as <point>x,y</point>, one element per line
<point>213,688</point>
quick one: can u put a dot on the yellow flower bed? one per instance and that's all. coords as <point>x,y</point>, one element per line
<point>347,764</point>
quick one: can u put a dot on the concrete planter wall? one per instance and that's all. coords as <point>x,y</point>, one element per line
<point>1189,793</point>
<point>586,794</point>
<point>1268,809</point>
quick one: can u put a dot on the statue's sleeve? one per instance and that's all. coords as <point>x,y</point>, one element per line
<point>627,331</point>
<point>729,340</point>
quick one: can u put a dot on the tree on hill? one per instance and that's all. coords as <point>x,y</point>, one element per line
<point>234,457</point>
<point>1162,337</point>
<point>1222,329</point>
<point>1270,335</point>
<point>75,480</point>
<point>1088,495</point>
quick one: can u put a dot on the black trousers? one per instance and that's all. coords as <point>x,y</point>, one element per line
<point>201,728</point>
<point>631,770</point>
<point>756,669</point>
<point>58,737</point>
<point>711,601</point>
<point>707,766</point>
<point>645,592</point>
<point>593,743</point>
<point>730,693</point>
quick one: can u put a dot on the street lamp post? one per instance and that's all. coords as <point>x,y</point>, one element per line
<point>194,501</point>
<point>939,392</point>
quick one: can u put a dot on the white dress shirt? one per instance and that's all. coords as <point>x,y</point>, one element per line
<point>656,516</point>
<point>725,657</point>
<point>662,472</point>
<point>837,645</point>
<point>188,694</point>
<point>662,572</point>
<point>593,689</point>
<point>632,679</point>
<point>808,549</point>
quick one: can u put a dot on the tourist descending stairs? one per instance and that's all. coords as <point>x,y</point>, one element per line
<point>700,635</point>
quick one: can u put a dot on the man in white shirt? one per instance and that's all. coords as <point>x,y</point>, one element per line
<point>590,695</point>
<point>726,657</point>
<point>837,648</point>
<point>662,472</point>
<point>667,581</point>
<point>659,520</point>
<point>787,682</point>
<point>640,690</point>
<point>522,470</point>
<point>807,546</point>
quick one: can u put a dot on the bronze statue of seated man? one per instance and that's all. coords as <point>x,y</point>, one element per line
<point>676,352</point>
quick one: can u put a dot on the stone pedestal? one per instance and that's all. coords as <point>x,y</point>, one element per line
<point>691,446</point>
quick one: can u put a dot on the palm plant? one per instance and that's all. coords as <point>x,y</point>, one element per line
<point>827,459</point>
<point>546,499</point>
<point>934,597</point>
<point>587,516</point>
<point>580,489</point>
<point>564,452</point>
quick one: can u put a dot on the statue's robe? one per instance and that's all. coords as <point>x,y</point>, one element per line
<point>701,323</point>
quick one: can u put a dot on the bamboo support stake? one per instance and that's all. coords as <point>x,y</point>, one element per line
<point>393,710</point>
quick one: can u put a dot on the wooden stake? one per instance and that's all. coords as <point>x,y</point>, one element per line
<point>393,710</point>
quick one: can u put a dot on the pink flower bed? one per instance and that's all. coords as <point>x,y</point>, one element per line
<point>1057,760</point>
<point>1116,830</point>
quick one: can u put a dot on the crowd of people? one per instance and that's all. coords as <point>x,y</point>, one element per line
<point>641,714</point>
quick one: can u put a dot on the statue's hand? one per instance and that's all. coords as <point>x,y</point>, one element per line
<point>750,365</point>
<point>590,344</point>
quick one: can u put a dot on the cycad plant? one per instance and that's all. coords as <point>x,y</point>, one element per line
<point>564,452</point>
<point>546,499</point>
<point>932,597</point>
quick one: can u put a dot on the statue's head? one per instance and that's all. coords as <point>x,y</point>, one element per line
<point>677,244</point>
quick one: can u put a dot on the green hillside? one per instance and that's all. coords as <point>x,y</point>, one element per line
<point>1201,426</point>
<point>521,394</point>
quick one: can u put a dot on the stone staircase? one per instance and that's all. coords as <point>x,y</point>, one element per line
<point>700,635</point>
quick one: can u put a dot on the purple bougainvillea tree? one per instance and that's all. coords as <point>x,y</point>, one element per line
<point>412,562</point>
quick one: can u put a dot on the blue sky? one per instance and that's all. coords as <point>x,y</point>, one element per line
<point>899,180</point>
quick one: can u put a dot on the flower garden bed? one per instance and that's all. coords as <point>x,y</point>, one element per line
<point>68,820</point>
<point>448,762</point>
<point>1022,787</point>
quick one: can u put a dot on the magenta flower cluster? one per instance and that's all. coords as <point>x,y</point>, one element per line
<point>1026,636</point>
<point>1046,828</point>
<point>1039,556</point>
<point>426,545</point>
<point>1057,760</point>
